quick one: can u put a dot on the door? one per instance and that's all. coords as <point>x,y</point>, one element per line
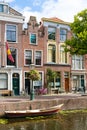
<point>66,75</point>
<point>27,83</point>
<point>67,84</point>
<point>27,86</point>
<point>16,83</point>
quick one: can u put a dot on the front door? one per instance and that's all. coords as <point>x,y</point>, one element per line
<point>67,84</point>
<point>27,86</point>
<point>16,83</point>
<point>66,75</point>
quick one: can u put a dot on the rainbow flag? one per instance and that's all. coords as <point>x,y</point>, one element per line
<point>10,57</point>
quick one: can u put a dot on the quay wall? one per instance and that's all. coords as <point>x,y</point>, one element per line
<point>69,104</point>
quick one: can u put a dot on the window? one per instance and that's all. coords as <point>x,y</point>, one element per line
<point>77,62</point>
<point>3,80</point>
<point>63,55</point>
<point>78,81</point>
<point>9,62</point>
<point>38,58</point>
<point>51,33</point>
<point>11,33</point>
<point>51,53</point>
<point>56,82</point>
<point>3,8</point>
<point>28,57</point>
<point>63,34</point>
<point>27,83</point>
<point>33,39</point>
<point>38,83</point>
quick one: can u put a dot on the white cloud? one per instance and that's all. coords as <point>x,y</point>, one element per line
<point>63,9</point>
<point>36,2</point>
<point>8,1</point>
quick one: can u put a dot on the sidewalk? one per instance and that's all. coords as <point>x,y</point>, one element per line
<point>41,97</point>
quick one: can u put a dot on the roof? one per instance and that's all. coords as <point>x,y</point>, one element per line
<point>55,20</point>
<point>14,12</point>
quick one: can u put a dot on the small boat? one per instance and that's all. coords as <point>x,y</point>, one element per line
<point>33,113</point>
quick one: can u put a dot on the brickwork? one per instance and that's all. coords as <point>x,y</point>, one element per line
<point>69,104</point>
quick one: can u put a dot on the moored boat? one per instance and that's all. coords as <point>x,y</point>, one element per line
<point>33,113</point>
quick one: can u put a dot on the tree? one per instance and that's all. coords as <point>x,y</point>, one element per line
<point>78,43</point>
<point>34,75</point>
<point>50,77</point>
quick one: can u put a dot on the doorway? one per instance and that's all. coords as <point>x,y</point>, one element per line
<point>16,85</point>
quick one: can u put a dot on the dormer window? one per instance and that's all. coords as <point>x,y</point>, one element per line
<point>3,8</point>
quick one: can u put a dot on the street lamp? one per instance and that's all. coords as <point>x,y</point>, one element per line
<point>32,66</point>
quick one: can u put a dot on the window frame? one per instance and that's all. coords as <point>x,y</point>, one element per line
<point>77,62</point>
<point>14,56</point>
<point>4,8</point>
<point>16,32</point>
<point>40,58</point>
<point>38,81</point>
<point>52,33</point>
<point>51,51</point>
<point>4,80</point>
<point>63,35</point>
<point>28,56</point>
<point>63,56</point>
<point>35,38</point>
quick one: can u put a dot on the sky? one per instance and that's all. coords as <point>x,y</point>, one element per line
<point>62,9</point>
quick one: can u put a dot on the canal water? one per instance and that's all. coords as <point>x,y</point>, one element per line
<point>65,121</point>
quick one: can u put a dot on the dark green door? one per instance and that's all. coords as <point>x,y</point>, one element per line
<point>16,83</point>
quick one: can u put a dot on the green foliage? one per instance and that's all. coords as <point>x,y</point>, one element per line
<point>50,75</point>
<point>3,121</point>
<point>78,43</point>
<point>66,112</point>
<point>34,75</point>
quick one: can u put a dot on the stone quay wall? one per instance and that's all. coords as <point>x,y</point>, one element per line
<point>69,104</point>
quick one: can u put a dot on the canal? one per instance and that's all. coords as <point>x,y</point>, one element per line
<point>62,121</point>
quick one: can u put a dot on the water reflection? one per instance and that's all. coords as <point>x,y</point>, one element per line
<point>77,121</point>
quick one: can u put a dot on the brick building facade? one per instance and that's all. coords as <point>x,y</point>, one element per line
<point>39,44</point>
<point>11,23</point>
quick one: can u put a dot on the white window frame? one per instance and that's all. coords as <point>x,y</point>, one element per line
<point>50,50</point>
<point>64,36</point>
<point>16,32</point>
<point>77,62</point>
<point>36,39</point>
<point>62,56</point>
<point>14,59</point>
<point>51,30</point>
<point>41,57</point>
<point>36,82</point>
<point>31,57</point>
